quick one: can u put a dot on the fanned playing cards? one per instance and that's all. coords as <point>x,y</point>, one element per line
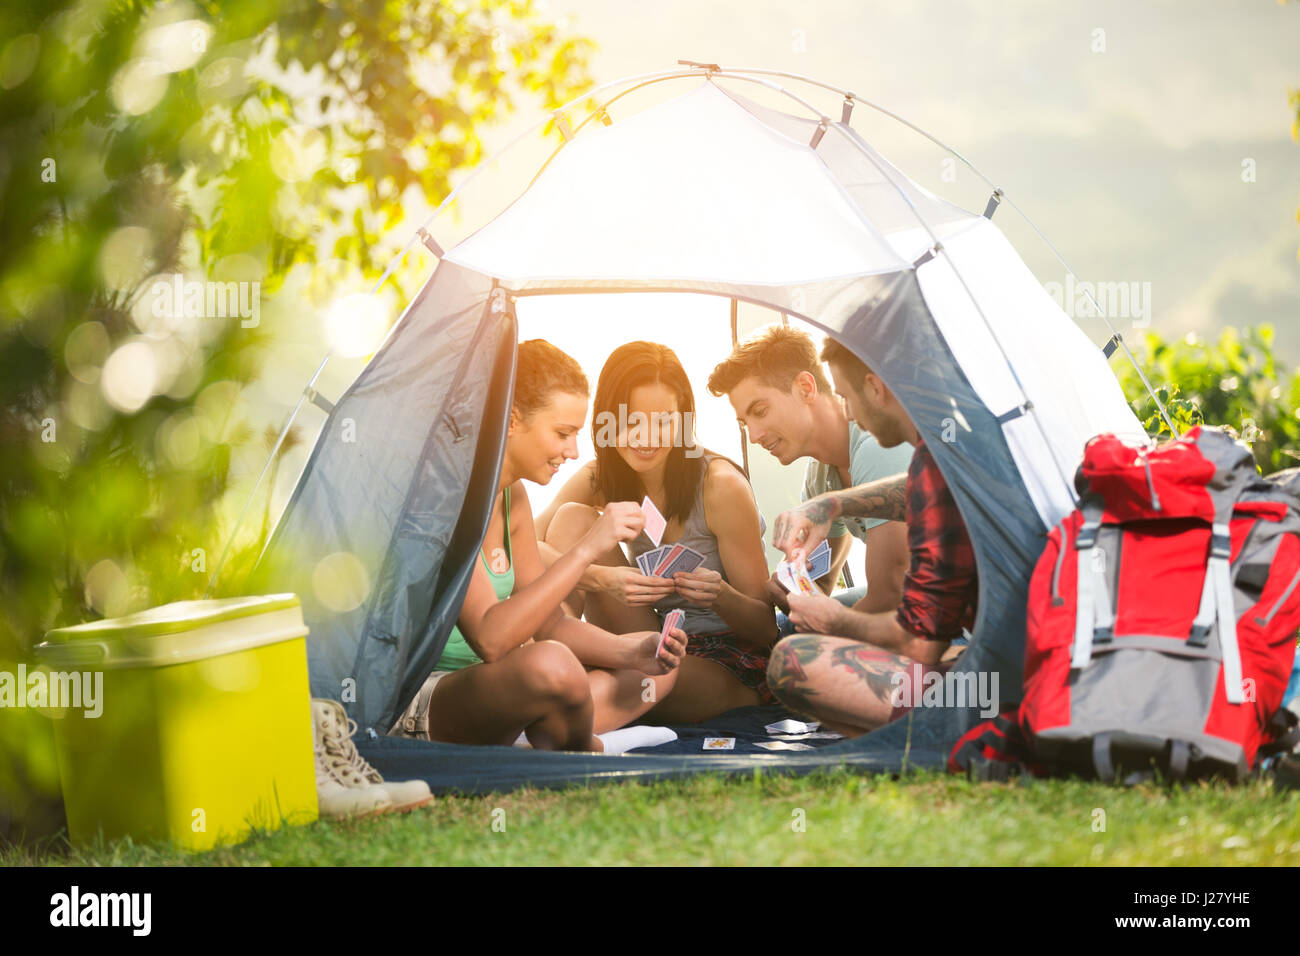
<point>795,577</point>
<point>666,561</point>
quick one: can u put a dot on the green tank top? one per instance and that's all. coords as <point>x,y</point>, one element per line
<point>458,653</point>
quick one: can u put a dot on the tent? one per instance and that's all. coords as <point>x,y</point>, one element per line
<point>707,192</point>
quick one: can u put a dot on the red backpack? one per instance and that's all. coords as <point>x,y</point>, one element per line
<point>1162,618</point>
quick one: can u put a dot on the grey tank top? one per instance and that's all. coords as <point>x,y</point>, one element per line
<point>695,534</point>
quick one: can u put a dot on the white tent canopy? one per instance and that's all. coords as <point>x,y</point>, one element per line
<point>660,200</point>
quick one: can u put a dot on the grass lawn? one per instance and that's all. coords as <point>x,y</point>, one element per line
<point>829,818</point>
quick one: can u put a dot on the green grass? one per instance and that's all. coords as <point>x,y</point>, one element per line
<point>848,819</point>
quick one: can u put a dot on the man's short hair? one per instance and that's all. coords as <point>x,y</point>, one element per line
<point>774,356</point>
<point>833,353</point>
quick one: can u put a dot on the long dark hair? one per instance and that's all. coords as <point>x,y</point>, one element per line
<point>631,366</point>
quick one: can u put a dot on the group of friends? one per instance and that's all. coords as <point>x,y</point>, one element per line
<point>559,637</point>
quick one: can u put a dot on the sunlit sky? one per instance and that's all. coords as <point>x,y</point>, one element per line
<point>1149,142</point>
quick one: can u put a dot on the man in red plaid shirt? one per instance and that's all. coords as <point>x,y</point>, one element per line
<point>847,670</point>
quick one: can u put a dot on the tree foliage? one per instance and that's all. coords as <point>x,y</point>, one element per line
<point>220,141</point>
<point>1234,382</point>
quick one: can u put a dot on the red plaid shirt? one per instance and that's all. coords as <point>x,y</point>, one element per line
<point>940,589</point>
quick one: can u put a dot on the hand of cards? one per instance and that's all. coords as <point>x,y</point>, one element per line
<point>671,620</point>
<point>666,561</point>
<point>794,577</point>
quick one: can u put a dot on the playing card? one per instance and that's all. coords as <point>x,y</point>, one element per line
<point>655,523</point>
<point>688,560</point>
<point>794,578</point>
<point>671,620</point>
<point>781,745</point>
<point>719,743</point>
<point>789,726</point>
<point>647,561</point>
<point>670,554</point>
<point>819,562</point>
<point>802,580</point>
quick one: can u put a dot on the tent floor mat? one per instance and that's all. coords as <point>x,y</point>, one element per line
<point>456,768</point>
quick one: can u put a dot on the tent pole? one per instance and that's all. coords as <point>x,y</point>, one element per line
<point>252,494</point>
<point>988,182</point>
<point>735,340</point>
<point>855,141</point>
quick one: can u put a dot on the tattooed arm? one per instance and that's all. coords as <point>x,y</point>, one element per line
<point>805,527</point>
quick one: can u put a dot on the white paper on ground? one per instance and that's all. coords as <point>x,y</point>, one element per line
<point>792,727</point>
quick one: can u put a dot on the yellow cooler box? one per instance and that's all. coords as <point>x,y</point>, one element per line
<point>194,723</point>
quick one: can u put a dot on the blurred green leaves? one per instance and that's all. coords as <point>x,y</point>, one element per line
<point>1234,382</point>
<point>222,142</point>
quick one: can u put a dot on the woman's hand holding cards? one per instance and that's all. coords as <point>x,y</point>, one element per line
<point>701,587</point>
<point>620,521</point>
<point>652,659</point>
<point>635,589</point>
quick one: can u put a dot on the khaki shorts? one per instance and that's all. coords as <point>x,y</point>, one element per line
<point>414,722</point>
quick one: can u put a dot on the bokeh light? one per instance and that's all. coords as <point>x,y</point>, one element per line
<point>139,85</point>
<point>126,257</point>
<point>107,588</point>
<point>297,153</point>
<point>85,350</point>
<point>356,324</point>
<point>340,582</point>
<point>129,376</point>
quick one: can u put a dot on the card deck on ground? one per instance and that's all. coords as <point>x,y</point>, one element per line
<point>655,523</point>
<point>671,620</point>
<point>719,743</point>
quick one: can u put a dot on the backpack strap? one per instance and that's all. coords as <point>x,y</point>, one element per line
<point>1094,617</point>
<point>1101,762</point>
<point>1218,576</point>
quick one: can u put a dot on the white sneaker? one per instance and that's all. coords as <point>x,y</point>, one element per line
<point>336,729</point>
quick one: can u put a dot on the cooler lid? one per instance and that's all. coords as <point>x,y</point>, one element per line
<point>177,632</point>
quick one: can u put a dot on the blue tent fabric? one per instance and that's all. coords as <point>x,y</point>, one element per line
<point>745,725</point>
<point>450,768</point>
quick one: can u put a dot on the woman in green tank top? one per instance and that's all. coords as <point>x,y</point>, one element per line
<point>515,663</point>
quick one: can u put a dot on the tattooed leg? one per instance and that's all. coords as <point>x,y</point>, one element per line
<point>847,685</point>
<point>786,675</point>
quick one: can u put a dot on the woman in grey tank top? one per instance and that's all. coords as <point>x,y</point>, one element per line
<point>643,431</point>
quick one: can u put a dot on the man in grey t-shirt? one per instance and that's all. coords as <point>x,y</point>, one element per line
<point>775,383</point>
